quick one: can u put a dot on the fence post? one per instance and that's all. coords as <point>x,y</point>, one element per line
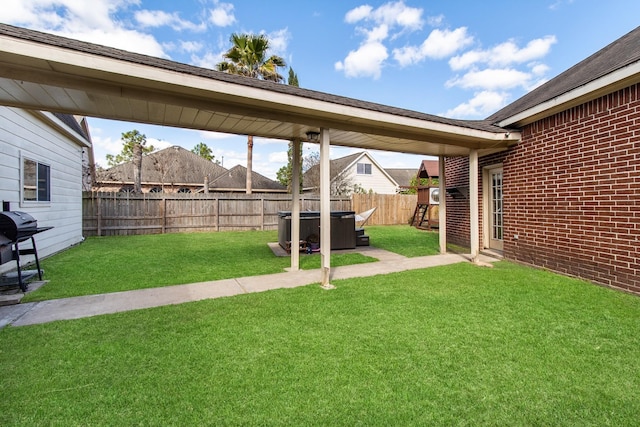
<point>218,214</point>
<point>262,213</point>
<point>99,214</point>
<point>164,215</point>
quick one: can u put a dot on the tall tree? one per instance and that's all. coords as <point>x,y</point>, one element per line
<point>203,150</point>
<point>134,145</point>
<point>248,57</point>
<point>129,139</point>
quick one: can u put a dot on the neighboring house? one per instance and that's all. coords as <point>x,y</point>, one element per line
<point>357,172</point>
<point>567,196</point>
<point>41,170</point>
<point>403,177</point>
<point>177,170</point>
<point>235,180</point>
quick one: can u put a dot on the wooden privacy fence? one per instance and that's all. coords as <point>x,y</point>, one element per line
<point>390,208</point>
<point>106,214</point>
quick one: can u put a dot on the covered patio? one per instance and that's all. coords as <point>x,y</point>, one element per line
<point>41,71</point>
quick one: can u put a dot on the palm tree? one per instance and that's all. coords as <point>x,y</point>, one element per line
<point>248,57</point>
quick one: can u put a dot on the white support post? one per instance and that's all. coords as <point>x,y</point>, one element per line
<point>325,209</point>
<point>473,206</point>
<point>295,205</point>
<point>442,206</point>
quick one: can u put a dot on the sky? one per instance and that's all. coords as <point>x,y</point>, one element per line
<point>458,59</point>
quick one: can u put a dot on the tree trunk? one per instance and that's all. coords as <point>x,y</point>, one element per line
<point>137,168</point>
<point>249,162</point>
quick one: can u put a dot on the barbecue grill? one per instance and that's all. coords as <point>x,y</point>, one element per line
<point>15,228</point>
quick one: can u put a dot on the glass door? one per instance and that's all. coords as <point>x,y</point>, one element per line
<point>496,224</point>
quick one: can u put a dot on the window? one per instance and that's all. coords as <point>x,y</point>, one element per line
<point>36,181</point>
<point>364,168</point>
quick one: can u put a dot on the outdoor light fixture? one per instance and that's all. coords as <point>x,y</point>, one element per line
<point>313,136</point>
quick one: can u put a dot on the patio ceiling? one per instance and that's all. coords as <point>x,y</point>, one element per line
<point>45,72</point>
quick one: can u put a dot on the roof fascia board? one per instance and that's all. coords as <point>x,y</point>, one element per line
<point>616,80</point>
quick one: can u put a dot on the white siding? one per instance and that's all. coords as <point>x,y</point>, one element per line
<point>378,181</point>
<point>32,135</point>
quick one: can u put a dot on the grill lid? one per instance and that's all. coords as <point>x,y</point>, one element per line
<point>15,225</point>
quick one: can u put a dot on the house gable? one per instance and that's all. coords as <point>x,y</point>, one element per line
<point>370,178</point>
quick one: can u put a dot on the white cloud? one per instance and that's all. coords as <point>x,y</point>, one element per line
<point>435,21</point>
<point>159,18</point>
<point>502,78</point>
<point>504,54</point>
<point>397,13</point>
<point>377,34</point>
<point>539,69</point>
<point>279,41</point>
<point>439,44</point>
<point>88,21</point>
<point>190,46</point>
<point>366,61</point>
<point>279,157</point>
<point>214,135</point>
<point>222,14</point>
<point>358,14</point>
<point>481,105</point>
<point>208,60</point>
<point>377,25</point>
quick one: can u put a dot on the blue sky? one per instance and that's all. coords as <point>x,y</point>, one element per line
<point>462,59</point>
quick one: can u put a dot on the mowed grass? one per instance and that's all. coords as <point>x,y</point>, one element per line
<point>404,240</point>
<point>121,263</point>
<point>452,345</point>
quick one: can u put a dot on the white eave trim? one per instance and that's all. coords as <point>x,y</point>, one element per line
<point>611,82</point>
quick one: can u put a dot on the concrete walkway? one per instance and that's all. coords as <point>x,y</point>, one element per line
<point>93,305</point>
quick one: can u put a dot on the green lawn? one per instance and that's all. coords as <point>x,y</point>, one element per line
<point>452,345</point>
<point>404,240</point>
<point>120,263</point>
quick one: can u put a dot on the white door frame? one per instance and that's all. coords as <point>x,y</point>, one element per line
<point>488,241</point>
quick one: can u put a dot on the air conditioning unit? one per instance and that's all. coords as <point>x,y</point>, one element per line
<point>434,196</point>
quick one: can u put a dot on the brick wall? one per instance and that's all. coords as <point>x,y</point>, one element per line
<point>457,176</point>
<point>572,192</point>
<point>457,173</point>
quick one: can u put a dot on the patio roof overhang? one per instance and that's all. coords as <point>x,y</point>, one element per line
<point>40,71</point>
<point>43,72</point>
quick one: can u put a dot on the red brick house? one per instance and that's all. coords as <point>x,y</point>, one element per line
<point>567,196</point>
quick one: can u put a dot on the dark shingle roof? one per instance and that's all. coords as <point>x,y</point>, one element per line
<point>236,178</point>
<point>118,54</point>
<point>171,165</point>
<point>402,176</point>
<point>619,54</point>
<point>336,166</point>
<point>71,121</point>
